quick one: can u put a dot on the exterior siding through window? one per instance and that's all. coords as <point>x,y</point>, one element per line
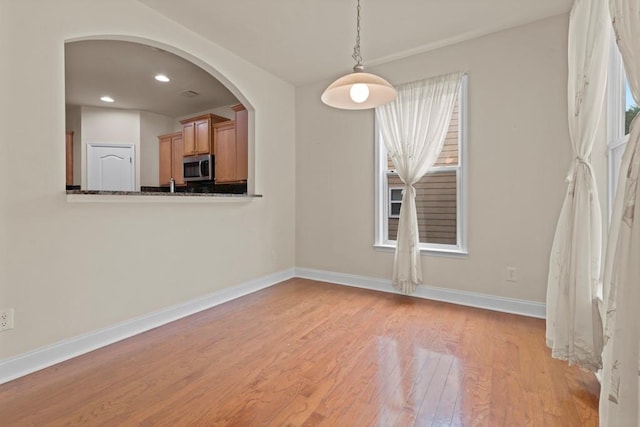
<point>436,193</point>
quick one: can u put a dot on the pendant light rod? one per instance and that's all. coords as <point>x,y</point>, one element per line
<point>357,56</point>
<point>358,90</point>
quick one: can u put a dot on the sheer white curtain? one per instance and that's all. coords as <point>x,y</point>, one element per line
<point>574,327</point>
<point>619,394</point>
<point>413,128</point>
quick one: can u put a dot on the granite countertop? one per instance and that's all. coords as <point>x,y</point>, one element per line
<point>160,193</point>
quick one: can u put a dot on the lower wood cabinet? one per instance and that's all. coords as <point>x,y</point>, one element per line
<point>170,161</point>
<point>69,157</point>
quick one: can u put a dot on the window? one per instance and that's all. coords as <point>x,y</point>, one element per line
<point>621,111</point>
<point>440,197</point>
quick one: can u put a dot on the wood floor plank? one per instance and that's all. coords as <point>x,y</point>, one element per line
<point>383,356</point>
<point>306,353</point>
<point>474,401</point>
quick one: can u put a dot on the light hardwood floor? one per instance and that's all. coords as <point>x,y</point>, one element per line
<point>311,353</point>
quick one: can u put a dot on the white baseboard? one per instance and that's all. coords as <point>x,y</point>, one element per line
<point>41,358</point>
<point>489,302</point>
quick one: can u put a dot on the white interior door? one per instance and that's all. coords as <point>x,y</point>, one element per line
<point>110,167</point>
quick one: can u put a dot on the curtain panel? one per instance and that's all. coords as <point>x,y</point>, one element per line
<point>574,326</point>
<point>413,128</point>
<point>619,393</point>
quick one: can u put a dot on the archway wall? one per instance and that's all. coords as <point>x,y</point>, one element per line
<point>69,269</point>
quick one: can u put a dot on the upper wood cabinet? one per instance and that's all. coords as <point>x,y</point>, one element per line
<point>230,146</point>
<point>196,133</point>
<point>170,161</point>
<point>69,157</point>
<point>224,137</point>
<point>242,142</point>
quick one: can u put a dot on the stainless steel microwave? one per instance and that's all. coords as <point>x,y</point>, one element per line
<point>198,168</point>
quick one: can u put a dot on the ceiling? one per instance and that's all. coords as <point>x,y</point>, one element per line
<point>125,71</point>
<point>304,41</point>
<point>301,41</point>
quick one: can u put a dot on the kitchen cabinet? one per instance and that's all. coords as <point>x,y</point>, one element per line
<point>230,147</point>
<point>242,142</point>
<point>224,143</point>
<point>69,157</point>
<point>170,147</point>
<point>196,133</point>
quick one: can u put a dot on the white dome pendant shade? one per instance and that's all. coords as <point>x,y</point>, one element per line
<point>358,90</point>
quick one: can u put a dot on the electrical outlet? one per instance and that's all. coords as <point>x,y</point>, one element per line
<point>6,319</point>
<point>511,274</point>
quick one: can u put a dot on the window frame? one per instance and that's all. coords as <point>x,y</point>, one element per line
<point>391,201</point>
<point>382,189</point>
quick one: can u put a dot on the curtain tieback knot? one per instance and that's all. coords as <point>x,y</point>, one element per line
<point>574,165</point>
<point>410,190</point>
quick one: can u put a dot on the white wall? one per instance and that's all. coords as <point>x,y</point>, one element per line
<point>518,150</point>
<point>71,268</point>
<point>110,126</point>
<point>117,126</point>
<point>151,126</point>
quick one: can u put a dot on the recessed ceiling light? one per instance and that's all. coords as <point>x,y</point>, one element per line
<point>106,99</point>
<point>162,78</point>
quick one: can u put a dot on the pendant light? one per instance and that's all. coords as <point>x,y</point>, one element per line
<point>358,90</point>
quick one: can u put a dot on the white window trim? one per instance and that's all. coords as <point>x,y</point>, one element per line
<point>382,190</point>
<point>391,202</point>
<point>616,107</point>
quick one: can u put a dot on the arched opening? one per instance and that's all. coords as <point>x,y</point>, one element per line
<point>172,122</point>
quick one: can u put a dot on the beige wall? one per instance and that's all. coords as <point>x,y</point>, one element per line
<point>518,150</point>
<point>71,268</point>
